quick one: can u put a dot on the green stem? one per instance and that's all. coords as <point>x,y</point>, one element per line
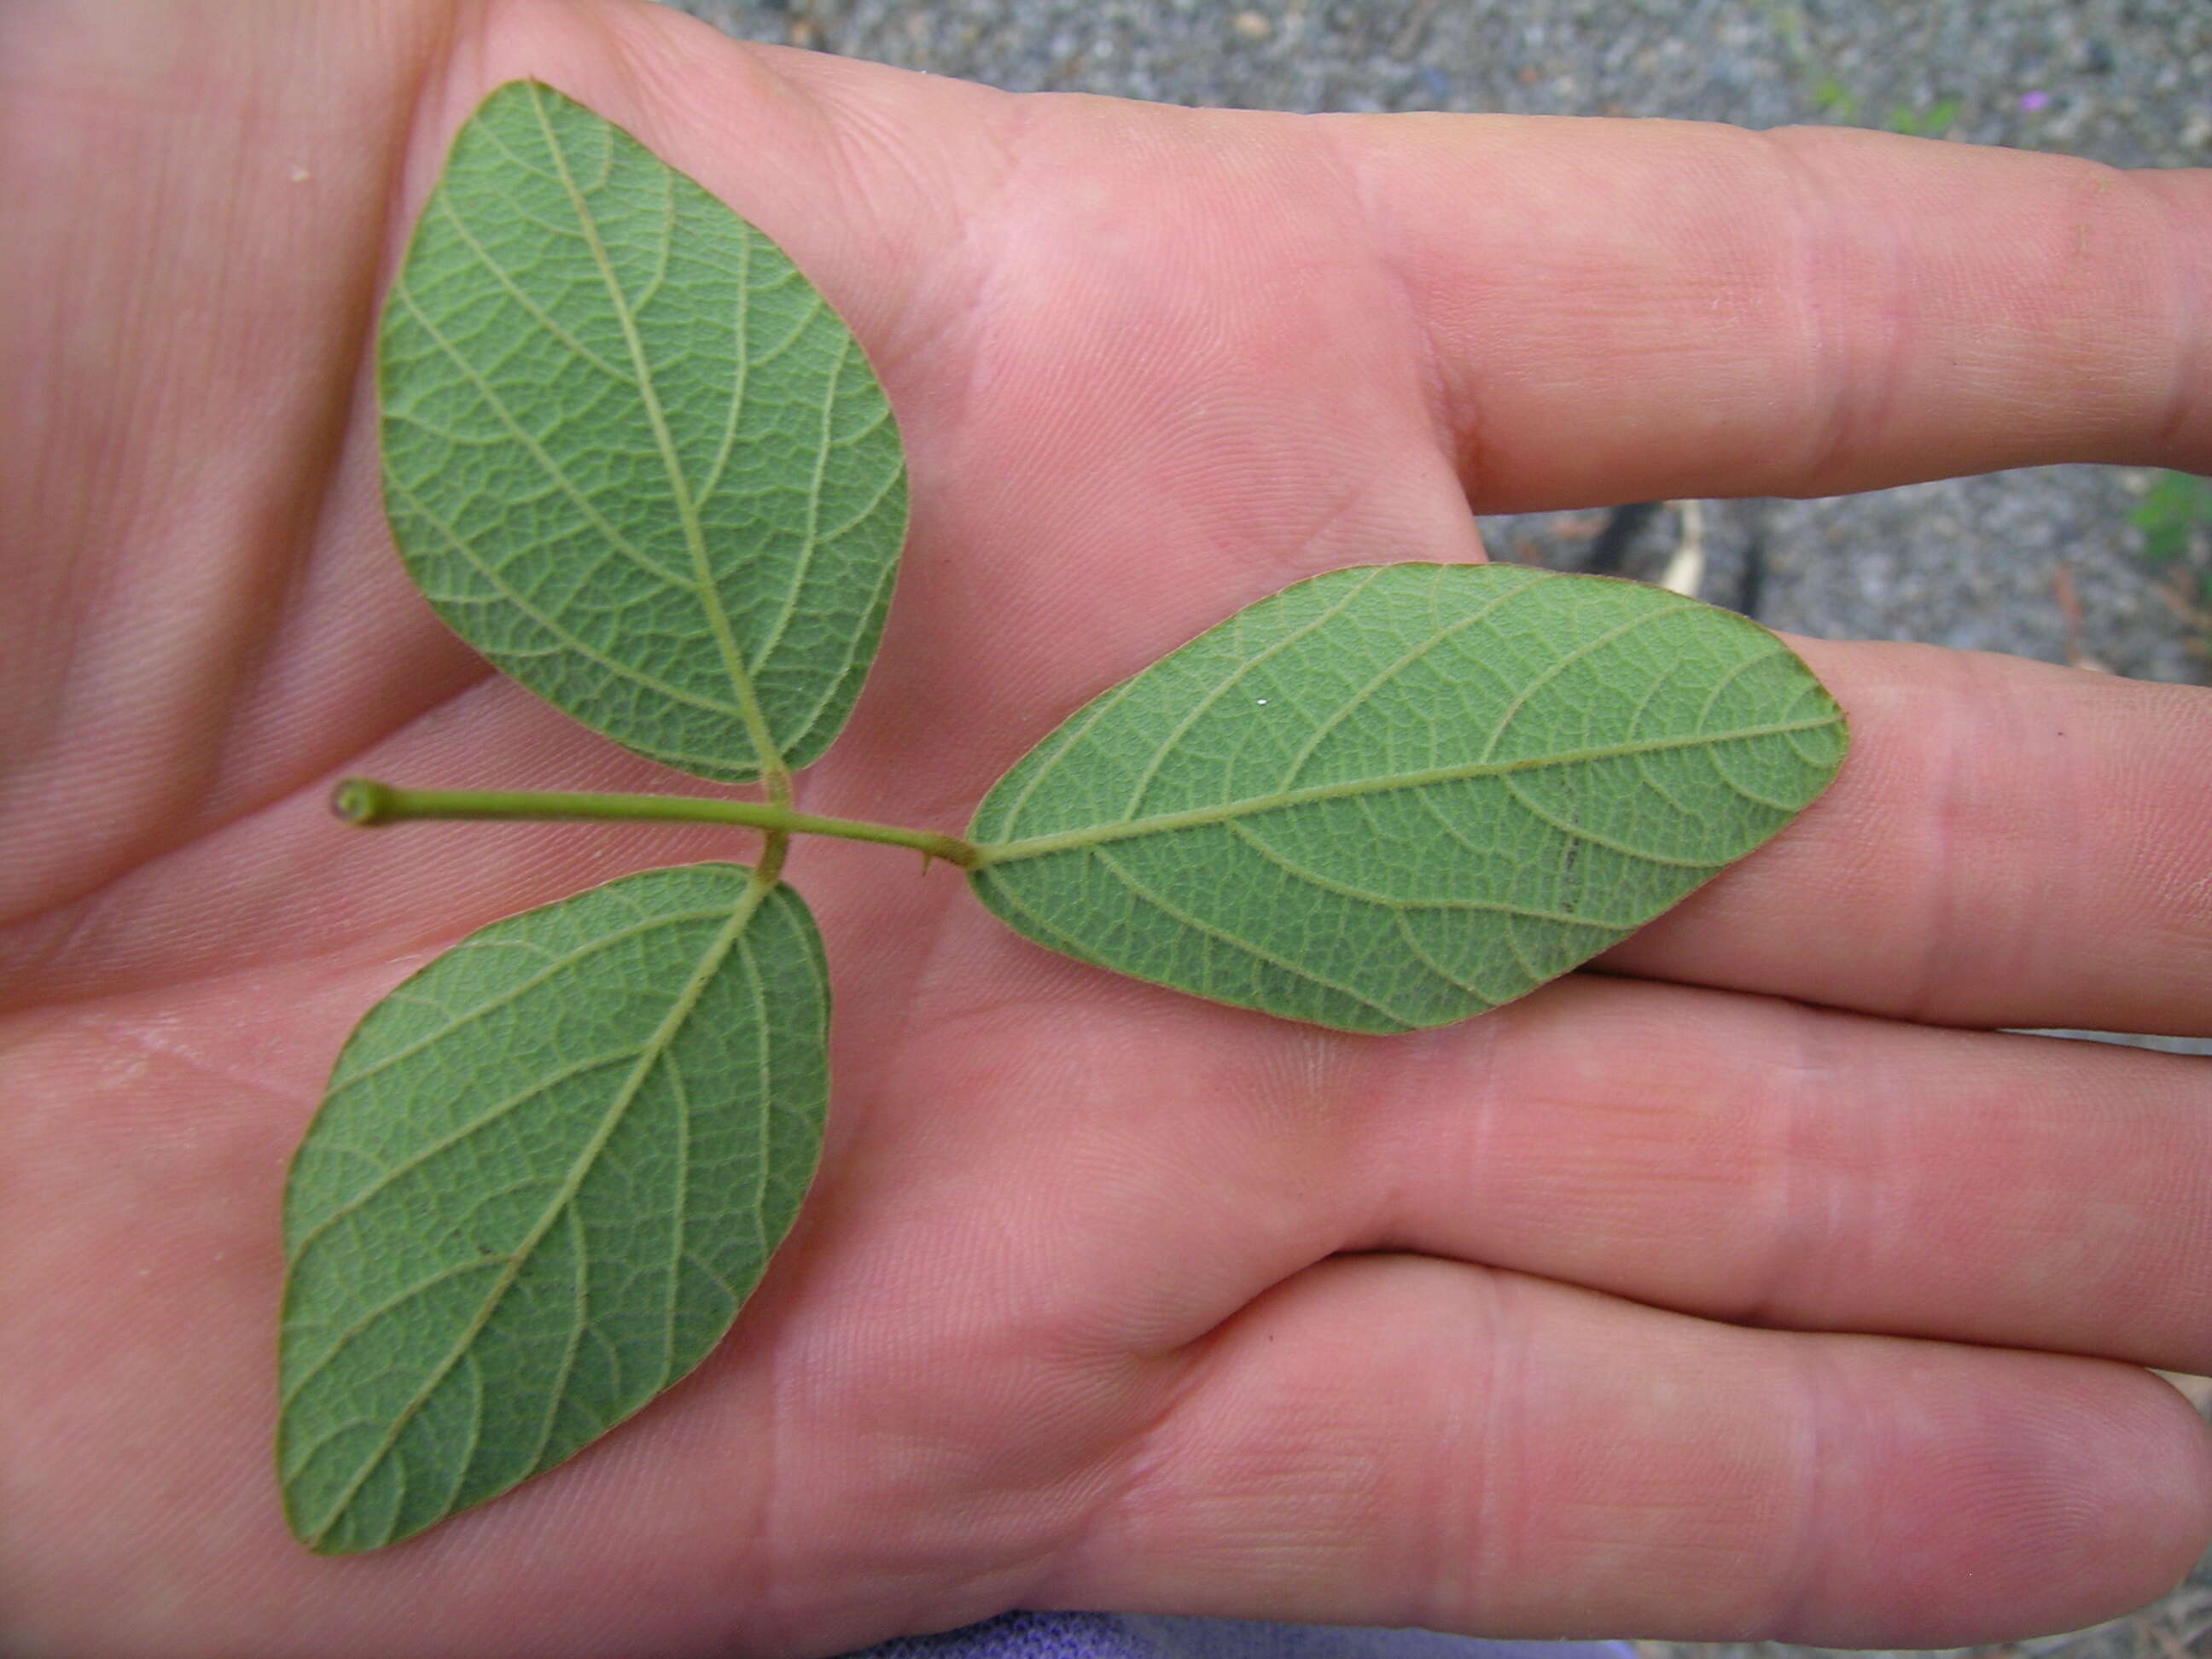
<point>363,801</point>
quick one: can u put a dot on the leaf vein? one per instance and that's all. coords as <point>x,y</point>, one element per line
<point>580,1324</point>
<point>804,563</point>
<point>382,1310</point>
<point>742,379</point>
<point>569,640</point>
<point>446,1143</point>
<point>1358,700</point>
<point>530,446</point>
<point>521,988</point>
<point>678,1244</point>
<point>1257,952</point>
<point>1299,872</point>
<point>539,314</point>
<point>1566,660</point>
<point>1242,671</point>
<point>1420,953</point>
<point>1607,842</point>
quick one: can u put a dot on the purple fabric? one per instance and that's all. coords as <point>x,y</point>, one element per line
<point>1138,1636</point>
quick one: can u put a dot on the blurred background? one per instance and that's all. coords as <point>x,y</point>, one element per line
<point>2103,568</point>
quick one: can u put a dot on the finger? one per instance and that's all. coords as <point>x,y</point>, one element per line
<point>2009,843</point>
<point>1391,1440</point>
<point>1740,1158</point>
<point>1757,1161</point>
<point>1615,310</point>
<point>1624,311</point>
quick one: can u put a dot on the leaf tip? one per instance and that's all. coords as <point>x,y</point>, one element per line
<point>310,1534</point>
<point>329,1522</point>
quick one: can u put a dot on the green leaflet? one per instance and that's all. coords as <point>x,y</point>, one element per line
<point>551,1167</point>
<point>629,453</point>
<point>1391,797</point>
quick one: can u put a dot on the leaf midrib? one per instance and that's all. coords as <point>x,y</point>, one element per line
<point>770,759</point>
<point>1065,840</point>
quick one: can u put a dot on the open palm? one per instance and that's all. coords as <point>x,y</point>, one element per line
<point>1746,1290</point>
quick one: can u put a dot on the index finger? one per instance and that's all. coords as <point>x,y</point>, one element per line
<point>1605,310</point>
<point>1621,311</point>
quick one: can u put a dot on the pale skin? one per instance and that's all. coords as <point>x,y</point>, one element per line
<point>1746,1289</point>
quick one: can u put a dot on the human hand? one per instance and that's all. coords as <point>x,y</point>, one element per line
<point>1747,1290</point>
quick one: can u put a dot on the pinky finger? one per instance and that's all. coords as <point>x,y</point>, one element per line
<point>1407,1441</point>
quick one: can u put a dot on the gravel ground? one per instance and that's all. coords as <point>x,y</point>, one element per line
<point>2055,562</point>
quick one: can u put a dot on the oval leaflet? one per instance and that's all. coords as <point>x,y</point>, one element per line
<point>1392,797</point>
<point>549,1168</point>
